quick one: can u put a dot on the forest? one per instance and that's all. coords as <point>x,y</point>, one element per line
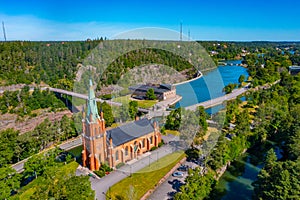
<point>23,102</point>
<point>270,114</point>
<point>56,63</point>
<point>267,115</point>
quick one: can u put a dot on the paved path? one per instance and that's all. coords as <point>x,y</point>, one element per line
<point>219,100</point>
<point>102,185</point>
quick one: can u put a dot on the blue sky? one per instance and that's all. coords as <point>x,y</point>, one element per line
<point>244,20</point>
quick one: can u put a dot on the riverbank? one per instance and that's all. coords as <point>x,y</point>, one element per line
<point>209,86</point>
<point>187,81</point>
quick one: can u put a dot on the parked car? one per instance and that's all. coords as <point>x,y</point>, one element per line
<point>178,174</point>
<point>183,168</point>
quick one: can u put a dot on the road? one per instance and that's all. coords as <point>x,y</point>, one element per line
<point>219,100</point>
<point>71,144</point>
<point>102,185</point>
<point>67,145</point>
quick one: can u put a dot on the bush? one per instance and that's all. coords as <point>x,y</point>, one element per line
<point>104,167</point>
<point>163,130</point>
<point>106,96</point>
<point>100,173</point>
<point>120,165</point>
<point>161,143</point>
<point>153,148</point>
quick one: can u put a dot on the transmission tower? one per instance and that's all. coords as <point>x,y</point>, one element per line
<point>4,31</point>
<point>180,31</point>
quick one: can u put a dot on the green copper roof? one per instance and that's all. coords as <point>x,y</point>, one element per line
<point>92,104</point>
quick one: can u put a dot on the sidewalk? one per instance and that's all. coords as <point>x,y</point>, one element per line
<point>102,185</point>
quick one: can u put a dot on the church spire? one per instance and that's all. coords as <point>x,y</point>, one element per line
<point>92,111</point>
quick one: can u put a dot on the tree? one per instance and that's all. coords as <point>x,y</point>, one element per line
<point>150,94</point>
<point>174,120</point>
<point>197,186</point>
<point>78,191</point>
<point>8,139</point>
<point>202,120</point>
<point>124,112</point>
<point>107,113</point>
<point>229,88</point>
<point>133,109</point>
<point>242,79</point>
<point>9,181</point>
<point>270,160</point>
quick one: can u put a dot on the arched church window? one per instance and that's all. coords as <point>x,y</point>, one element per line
<point>143,143</point>
<point>117,155</point>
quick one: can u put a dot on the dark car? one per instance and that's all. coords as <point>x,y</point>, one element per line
<point>183,168</point>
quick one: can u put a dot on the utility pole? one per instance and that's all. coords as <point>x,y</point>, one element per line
<point>4,31</point>
<point>189,35</point>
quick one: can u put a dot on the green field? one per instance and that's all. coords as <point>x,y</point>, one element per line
<point>76,151</point>
<point>139,183</point>
<point>141,103</point>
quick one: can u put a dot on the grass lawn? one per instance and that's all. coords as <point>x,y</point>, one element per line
<point>76,151</point>
<point>27,191</point>
<point>141,103</point>
<point>122,99</point>
<point>176,133</point>
<point>139,183</point>
<point>146,103</point>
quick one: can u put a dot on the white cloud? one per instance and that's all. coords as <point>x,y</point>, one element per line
<point>28,27</point>
<point>32,28</point>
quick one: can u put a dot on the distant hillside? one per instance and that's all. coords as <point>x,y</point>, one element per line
<point>56,63</point>
<point>50,62</point>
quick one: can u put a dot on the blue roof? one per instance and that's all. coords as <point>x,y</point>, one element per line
<point>158,89</point>
<point>129,131</point>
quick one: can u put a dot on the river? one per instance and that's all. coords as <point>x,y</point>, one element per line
<point>209,86</point>
<point>236,182</point>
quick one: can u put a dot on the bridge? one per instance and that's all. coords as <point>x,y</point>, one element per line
<point>83,96</point>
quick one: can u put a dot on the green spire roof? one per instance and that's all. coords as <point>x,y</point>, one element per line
<point>92,104</point>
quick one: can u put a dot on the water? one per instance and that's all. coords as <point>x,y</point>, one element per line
<point>234,62</point>
<point>236,181</point>
<point>209,86</point>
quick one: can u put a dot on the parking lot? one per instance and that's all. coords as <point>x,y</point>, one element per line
<point>167,190</point>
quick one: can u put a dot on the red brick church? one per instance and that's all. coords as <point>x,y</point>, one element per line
<point>117,145</point>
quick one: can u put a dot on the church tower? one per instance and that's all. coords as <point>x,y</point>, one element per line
<point>94,134</point>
